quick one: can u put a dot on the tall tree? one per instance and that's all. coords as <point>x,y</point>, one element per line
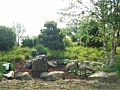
<point>109,15</point>
<point>89,32</point>
<point>7,38</point>
<point>51,37</point>
<point>107,12</point>
<point>20,30</point>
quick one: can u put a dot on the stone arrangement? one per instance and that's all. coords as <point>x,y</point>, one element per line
<point>40,66</point>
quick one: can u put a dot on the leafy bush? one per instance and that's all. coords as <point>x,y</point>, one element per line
<point>7,38</point>
<point>116,66</point>
<point>77,52</point>
<point>15,54</point>
<point>29,42</point>
<point>56,54</point>
<point>83,53</point>
<point>41,49</point>
<point>68,42</point>
<point>3,70</point>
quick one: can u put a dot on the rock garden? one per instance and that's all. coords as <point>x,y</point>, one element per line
<point>42,72</point>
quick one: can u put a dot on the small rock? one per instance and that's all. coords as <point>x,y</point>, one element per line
<point>6,65</point>
<point>23,76</point>
<point>90,68</point>
<point>51,64</point>
<point>28,64</point>
<point>71,66</point>
<point>52,76</point>
<point>87,63</point>
<point>9,75</point>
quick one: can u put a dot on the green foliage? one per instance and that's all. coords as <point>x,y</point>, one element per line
<point>29,42</point>
<point>41,49</point>
<point>77,52</point>
<point>67,41</point>
<point>76,72</point>
<point>56,54</point>
<point>115,67</point>
<point>7,38</point>
<point>74,38</point>
<point>80,72</point>
<point>51,37</point>
<point>50,25</point>
<point>63,61</point>
<point>3,70</point>
<point>83,53</point>
<point>16,54</point>
<point>89,32</point>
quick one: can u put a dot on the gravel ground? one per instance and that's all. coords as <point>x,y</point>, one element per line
<point>69,84</point>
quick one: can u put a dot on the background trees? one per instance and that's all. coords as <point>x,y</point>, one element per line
<point>89,32</point>
<point>28,41</point>
<point>107,14</point>
<point>7,38</point>
<point>20,30</point>
<point>51,36</point>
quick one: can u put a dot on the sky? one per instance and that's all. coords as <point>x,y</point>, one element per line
<point>30,13</point>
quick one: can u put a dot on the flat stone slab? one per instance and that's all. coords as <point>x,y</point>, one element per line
<point>104,76</point>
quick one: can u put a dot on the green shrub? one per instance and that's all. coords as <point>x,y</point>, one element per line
<point>41,49</point>
<point>83,53</point>
<point>19,58</point>
<point>68,42</point>
<point>7,38</point>
<point>3,70</point>
<point>56,54</point>
<point>114,68</point>
<point>77,52</point>
<point>34,52</point>
<point>16,54</point>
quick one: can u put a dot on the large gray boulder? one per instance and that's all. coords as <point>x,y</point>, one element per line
<point>71,66</point>
<point>85,68</point>
<point>39,64</point>
<point>23,76</point>
<point>104,77</point>
<point>52,76</point>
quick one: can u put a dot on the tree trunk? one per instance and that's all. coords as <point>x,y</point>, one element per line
<point>104,43</point>
<point>116,26</point>
<point>117,38</point>
<point>112,50</point>
<point>18,40</point>
<point>114,47</point>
